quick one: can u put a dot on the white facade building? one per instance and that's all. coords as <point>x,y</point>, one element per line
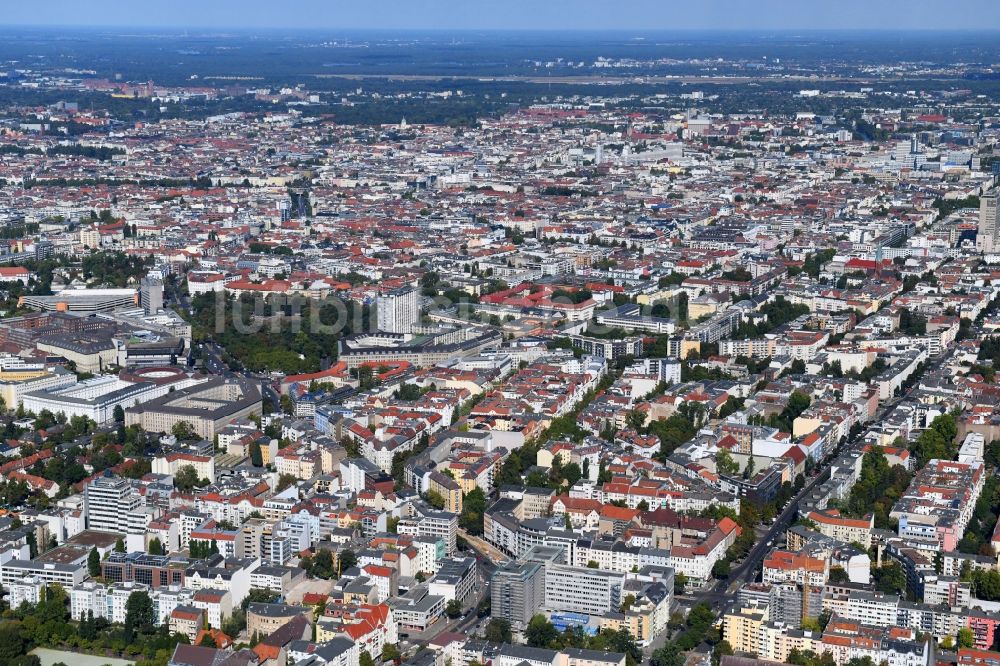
<point>398,311</point>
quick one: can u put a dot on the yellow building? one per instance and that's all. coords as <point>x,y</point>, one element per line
<point>269,452</point>
<point>778,643</point>
<point>656,297</point>
<point>546,456</point>
<point>328,628</point>
<point>90,237</point>
<point>689,348</point>
<point>803,425</point>
<point>449,489</point>
<point>848,530</point>
<point>93,357</point>
<point>265,619</point>
<point>638,620</point>
<point>466,484</point>
<point>743,628</point>
<point>15,383</point>
<point>187,620</point>
<point>361,595</point>
<point>706,305</point>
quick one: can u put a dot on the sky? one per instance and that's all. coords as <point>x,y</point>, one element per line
<point>639,15</point>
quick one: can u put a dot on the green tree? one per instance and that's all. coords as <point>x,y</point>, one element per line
<point>12,644</point>
<point>183,431</point>
<point>473,510</point>
<point>119,414</point>
<point>938,441</point>
<point>798,402</point>
<point>139,615</point>
<point>435,499</point>
<point>721,649</point>
<point>87,628</point>
<point>682,307</point>
<point>721,568</point>
<point>838,575</point>
<point>186,478</point>
<point>680,583</point>
<point>285,481</point>
<point>890,579</point>
<point>669,655</point>
<point>985,584</point>
<point>347,559</point>
<point>156,546</point>
<point>930,445</point>
<point>992,456</point>
<point>94,563</point>
<point>236,623</point>
<point>256,457</point>
<point>635,419</point>
<point>672,432</point>
<point>390,652</point>
<point>540,632</point>
<point>498,631</point>
<point>453,608</point>
<point>366,378</point>
<point>322,565</point>
<point>571,473</point>
<point>725,464</point>
<point>610,641</point>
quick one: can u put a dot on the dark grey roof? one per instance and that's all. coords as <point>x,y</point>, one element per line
<point>528,653</point>
<point>196,655</point>
<point>274,610</point>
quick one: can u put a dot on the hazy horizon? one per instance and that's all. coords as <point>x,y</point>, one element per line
<point>512,30</point>
<point>528,15</point>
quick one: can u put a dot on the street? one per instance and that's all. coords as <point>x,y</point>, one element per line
<point>469,622</point>
<point>720,593</point>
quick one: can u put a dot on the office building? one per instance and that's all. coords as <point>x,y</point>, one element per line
<point>398,311</point>
<point>582,589</point>
<point>989,222</point>
<point>151,295</point>
<point>518,591</point>
<point>207,407</point>
<point>153,570</point>
<point>576,589</point>
<point>417,609</point>
<point>427,521</point>
<point>82,300</point>
<point>97,398</point>
<point>107,501</point>
<point>456,578</point>
<point>66,575</point>
<point>16,382</point>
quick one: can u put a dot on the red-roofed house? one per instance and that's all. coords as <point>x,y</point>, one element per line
<point>582,512</point>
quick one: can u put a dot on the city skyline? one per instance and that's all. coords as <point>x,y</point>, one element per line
<point>633,15</point>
